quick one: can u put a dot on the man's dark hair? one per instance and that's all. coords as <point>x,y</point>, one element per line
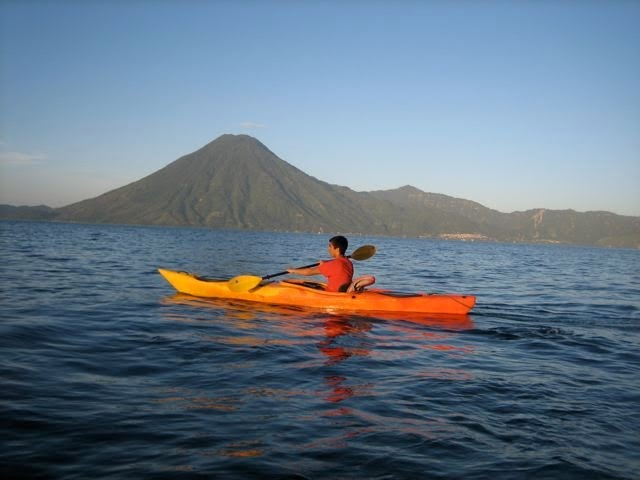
<point>341,242</point>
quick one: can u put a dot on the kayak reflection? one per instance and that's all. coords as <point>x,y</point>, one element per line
<point>335,327</point>
<point>339,338</point>
<point>244,310</point>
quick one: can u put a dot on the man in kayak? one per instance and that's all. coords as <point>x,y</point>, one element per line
<point>339,271</point>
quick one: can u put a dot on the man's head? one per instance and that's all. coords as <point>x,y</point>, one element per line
<point>339,242</point>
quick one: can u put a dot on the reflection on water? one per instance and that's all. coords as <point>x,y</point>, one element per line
<point>299,326</point>
<point>337,327</point>
<point>185,399</point>
<point>324,351</point>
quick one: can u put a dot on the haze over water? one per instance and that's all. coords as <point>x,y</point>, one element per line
<point>107,373</point>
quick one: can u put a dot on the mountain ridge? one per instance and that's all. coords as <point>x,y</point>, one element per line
<point>236,182</point>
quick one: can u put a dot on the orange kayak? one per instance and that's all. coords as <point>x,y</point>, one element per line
<point>310,294</point>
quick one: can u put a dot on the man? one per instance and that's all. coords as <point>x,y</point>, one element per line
<point>339,271</point>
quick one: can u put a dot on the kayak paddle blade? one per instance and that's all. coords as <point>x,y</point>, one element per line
<point>364,252</point>
<point>244,283</point>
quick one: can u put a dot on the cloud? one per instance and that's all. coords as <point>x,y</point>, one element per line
<point>21,159</point>
<point>252,125</point>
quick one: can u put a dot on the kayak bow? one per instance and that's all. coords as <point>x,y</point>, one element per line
<point>310,294</point>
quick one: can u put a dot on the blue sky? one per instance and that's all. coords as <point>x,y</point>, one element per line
<point>513,104</point>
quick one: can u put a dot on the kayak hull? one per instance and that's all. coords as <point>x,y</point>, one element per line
<point>299,293</point>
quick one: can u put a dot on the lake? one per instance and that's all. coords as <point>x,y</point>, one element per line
<point>107,373</point>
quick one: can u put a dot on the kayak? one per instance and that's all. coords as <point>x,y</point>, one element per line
<point>311,294</point>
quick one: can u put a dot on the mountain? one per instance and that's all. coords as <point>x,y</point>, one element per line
<point>40,212</point>
<point>539,225</point>
<point>233,182</point>
<point>237,182</point>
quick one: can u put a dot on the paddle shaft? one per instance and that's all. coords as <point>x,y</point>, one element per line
<point>297,268</point>
<point>267,277</point>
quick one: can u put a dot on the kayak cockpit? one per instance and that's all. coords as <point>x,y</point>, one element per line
<point>306,283</point>
<point>358,285</point>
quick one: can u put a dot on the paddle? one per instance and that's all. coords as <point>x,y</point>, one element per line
<point>244,283</point>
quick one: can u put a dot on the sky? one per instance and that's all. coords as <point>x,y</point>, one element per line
<point>513,104</point>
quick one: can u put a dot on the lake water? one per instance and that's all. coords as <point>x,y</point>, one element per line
<point>107,373</point>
